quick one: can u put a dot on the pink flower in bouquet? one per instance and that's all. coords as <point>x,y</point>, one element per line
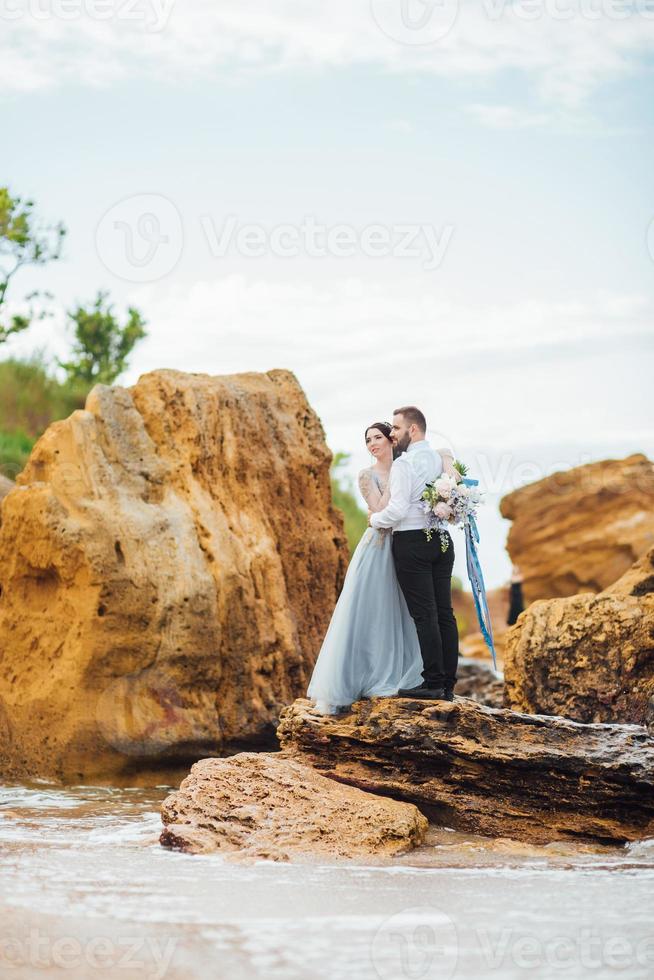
<point>443,510</point>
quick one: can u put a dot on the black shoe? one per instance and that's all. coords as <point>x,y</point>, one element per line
<point>422,691</point>
<point>448,694</point>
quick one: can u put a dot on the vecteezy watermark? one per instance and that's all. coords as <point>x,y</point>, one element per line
<point>420,22</point>
<point>144,714</point>
<point>313,239</point>
<point>587,949</point>
<point>152,15</point>
<point>141,238</point>
<point>415,21</point>
<point>563,10</point>
<point>40,951</point>
<point>417,943</point>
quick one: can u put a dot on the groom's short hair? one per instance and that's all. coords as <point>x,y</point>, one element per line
<point>413,415</point>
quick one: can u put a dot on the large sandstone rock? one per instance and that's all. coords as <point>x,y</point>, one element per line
<point>580,530</point>
<point>169,561</point>
<point>263,805</point>
<point>588,657</point>
<point>486,770</point>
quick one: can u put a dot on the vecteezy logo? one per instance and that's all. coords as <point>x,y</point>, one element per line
<point>143,714</point>
<point>415,21</point>
<point>141,238</point>
<point>416,944</point>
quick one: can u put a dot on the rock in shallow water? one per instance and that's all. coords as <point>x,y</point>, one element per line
<point>169,562</point>
<point>264,805</point>
<point>580,530</point>
<point>587,657</point>
<point>486,770</point>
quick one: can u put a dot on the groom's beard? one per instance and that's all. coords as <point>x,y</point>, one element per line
<point>401,446</point>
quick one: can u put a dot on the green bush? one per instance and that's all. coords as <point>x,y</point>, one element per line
<point>15,447</point>
<point>30,399</point>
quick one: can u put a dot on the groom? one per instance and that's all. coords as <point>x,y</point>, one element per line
<point>424,571</point>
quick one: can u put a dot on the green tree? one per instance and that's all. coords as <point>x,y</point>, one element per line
<point>102,345</point>
<point>344,497</point>
<point>23,241</point>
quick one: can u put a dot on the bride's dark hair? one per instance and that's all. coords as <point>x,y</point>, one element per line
<point>383,427</point>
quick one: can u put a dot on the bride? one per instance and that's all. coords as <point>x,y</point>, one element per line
<point>371,646</point>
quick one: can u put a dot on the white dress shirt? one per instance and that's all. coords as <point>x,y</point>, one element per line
<point>410,473</point>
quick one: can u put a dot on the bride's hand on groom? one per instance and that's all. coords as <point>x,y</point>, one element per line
<point>448,465</point>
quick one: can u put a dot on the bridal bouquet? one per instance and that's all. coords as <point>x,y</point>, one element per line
<point>447,502</point>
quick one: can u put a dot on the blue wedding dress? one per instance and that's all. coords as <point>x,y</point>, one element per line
<point>371,646</point>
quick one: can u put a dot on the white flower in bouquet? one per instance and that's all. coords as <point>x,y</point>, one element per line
<point>444,485</point>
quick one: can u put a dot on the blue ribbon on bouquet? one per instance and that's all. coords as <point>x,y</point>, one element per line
<point>476,578</point>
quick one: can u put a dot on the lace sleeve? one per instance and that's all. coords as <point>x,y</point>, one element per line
<point>368,490</point>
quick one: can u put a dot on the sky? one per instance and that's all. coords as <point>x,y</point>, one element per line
<point>402,201</point>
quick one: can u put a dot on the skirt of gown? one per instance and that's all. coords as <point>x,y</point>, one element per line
<point>371,647</point>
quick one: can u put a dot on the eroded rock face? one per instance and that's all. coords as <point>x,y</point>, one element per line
<point>264,805</point>
<point>168,565</point>
<point>580,530</point>
<point>486,770</point>
<point>587,657</point>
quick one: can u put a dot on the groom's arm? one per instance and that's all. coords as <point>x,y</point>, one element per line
<point>398,505</point>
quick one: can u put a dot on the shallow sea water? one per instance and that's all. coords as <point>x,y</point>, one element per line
<point>88,892</point>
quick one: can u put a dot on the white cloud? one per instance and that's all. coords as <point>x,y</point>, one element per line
<point>507,117</point>
<point>351,337</point>
<point>567,59</point>
<point>566,382</point>
<point>357,346</point>
<point>238,323</point>
<point>547,384</point>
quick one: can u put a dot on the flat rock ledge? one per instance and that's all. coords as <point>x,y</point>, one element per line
<point>266,805</point>
<point>491,771</point>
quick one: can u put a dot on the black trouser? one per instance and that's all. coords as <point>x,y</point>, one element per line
<point>424,572</point>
